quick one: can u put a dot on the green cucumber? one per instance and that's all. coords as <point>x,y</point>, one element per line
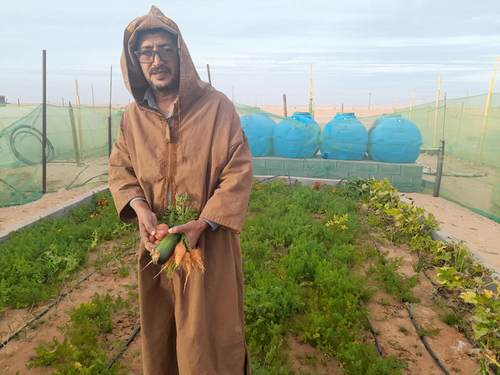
<point>167,246</point>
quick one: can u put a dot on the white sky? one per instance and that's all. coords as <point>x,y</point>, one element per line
<point>261,48</point>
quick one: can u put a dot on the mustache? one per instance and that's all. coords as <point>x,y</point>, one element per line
<point>159,69</point>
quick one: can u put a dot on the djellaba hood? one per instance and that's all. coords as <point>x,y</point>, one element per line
<point>191,87</point>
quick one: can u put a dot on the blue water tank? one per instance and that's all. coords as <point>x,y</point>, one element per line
<point>344,138</point>
<point>297,136</point>
<point>259,130</point>
<point>393,139</point>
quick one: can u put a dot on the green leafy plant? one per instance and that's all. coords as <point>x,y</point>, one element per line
<point>82,351</point>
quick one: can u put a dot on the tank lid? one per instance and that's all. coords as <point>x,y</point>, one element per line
<point>301,114</point>
<point>345,114</point>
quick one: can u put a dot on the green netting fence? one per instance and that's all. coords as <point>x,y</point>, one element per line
<point>471,171</point>
<point>471,168</point>
<point>21,149</point>
<point>472,148</point>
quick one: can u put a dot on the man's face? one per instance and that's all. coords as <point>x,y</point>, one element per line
<point>162,75</point>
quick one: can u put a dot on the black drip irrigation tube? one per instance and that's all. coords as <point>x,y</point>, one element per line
<point>129,341</point>
<point>55,303</point>
<point>461,329</point>
<point>464,330</point>
<point>51,306</point>
<point>376,339</point>
<point>420,335</point>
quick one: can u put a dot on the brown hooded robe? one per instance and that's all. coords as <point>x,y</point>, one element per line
<point>205,153</point>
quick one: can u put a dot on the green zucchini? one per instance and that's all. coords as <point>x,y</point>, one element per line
<point>167,246</point>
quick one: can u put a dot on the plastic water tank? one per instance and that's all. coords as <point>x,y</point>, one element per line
<point>344,138</point>
<point>393,139</point>
<point>259,130</point>
<point>297,136</point>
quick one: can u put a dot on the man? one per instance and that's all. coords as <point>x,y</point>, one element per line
<point>181,135</point>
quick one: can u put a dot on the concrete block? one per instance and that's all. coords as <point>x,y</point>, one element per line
<point>408,189</point>
<point>412,170</point>
<point>261,171</point>
<point>298,173</point>
<point>347,166</point>
<point>275,163</point>
<point>330,165</point>
<point>259,162</point>
<point>336,175</point>
<point>370,168</point>
<point>316,168</point>
<point>389,169</point>
<point>279,172</point>
<point>380,176</point>
<point>318,173</point>
<point>359,175</point>
<point>427,184</point>
<point>401,181</point>
<point>294,164</point>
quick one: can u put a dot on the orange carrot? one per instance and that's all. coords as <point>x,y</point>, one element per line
<point>179,253</point>
<point>186,262</point>
<point>197,260</point>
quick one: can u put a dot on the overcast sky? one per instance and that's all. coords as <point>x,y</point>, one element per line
<point>261,48</point>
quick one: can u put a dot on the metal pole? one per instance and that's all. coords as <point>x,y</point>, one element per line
<point>436,114</point>
<point>460,121</point>
<point>439,169</point>
<point>232,93</point>
<point>411,104</point>
<point>208,71</point>
<point>342,107</point>
<point>93,102</point>
<point>18,103</point>
<point>111,88</point>
<point>63,101</point>
<point>284,105</point>
<point>80,131</point>
<point>44,122</point>
<point>486,112</point>
<point>310,101</point>
<point>75,137</point>
<point>110,137</point>
<point>394,106</point>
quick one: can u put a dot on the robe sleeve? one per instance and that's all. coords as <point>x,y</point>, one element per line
<point>229,202</point>
<point>123,182</point>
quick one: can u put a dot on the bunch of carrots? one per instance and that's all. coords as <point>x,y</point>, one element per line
<point>172,251</point>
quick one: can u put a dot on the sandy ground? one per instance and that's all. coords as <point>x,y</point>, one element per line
<point>479,233</point>
<point>15,356</point>
<point>471,184</point>
<point>398,336</point>
<point>324,114</point>
<point>11,215</point>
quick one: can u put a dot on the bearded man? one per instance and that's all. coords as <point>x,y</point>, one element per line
<point>179,136</point>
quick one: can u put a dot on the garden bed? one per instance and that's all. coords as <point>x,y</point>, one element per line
<point>314,284</point>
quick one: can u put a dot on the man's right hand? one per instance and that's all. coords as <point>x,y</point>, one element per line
<point>147,221</point>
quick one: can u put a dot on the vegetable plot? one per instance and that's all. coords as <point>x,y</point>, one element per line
<point>173,250</point>
<point>312,277</point>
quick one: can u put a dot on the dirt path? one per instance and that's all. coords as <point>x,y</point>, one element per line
<point>478,232</point>
<point>14,214</point>
<point>397,334</point>
<point>15,356</point>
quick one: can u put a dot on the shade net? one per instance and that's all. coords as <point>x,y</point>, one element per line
<point>76,155</point>
<point>471,165</point>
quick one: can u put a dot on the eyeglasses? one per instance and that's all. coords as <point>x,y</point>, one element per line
<point>148,55</point>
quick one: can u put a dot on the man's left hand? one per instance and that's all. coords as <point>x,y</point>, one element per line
<point>192,230</point>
